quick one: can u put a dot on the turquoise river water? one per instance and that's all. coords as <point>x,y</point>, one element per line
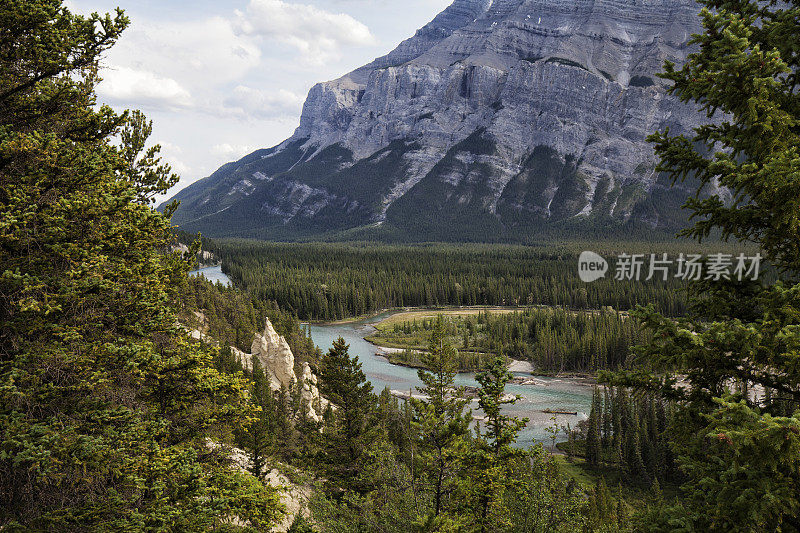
<point>548,393</point>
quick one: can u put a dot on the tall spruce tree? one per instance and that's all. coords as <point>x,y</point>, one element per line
<point>258,437</point>
<point>606,422</point>
<point>110,419</point>
<point>593,442</point>
<point>492,458</point>
<point>741,452</point>
<point>343,383</point>
<point>439,418</point>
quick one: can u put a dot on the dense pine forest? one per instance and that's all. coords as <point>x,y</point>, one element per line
<point>231,317</point>
<point>114,418</point>
<point>378,464</point>
<point>336,281</point>
<point>111,418</point>
<point>553,340</point>
<point>627,435</point>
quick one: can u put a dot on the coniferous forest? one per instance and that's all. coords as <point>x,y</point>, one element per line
<point>336,281</point>
<point>114,416</point>
<point>553,340</point>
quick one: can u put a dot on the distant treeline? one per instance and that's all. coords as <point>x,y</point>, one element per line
<point>558,340</point>
<point>335,281</point>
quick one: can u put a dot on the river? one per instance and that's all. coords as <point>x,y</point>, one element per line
<point>213,274</point>
<point>550,393</point>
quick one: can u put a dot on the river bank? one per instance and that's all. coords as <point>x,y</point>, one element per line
<point>537,393</point>
<point>410,354</point>
<point>214,274</point>
<point>407,351</point>
<point>397,356</point>
<point>404,312</point>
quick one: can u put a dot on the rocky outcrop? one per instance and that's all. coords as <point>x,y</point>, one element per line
<point>277,361</point>
<point>245,359</point>
<point>204,257</point>
<point>275,356</point>
<point>499,115</point>
<point>293,496</point>
<point>199,331</point>
<point>309,393</point>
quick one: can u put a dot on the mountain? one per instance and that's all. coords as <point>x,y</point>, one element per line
<point>498,120</point>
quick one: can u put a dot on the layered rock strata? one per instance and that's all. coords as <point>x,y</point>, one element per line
<point>498,116</point>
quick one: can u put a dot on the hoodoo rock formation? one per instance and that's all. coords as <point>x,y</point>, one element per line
<point>277,361</point>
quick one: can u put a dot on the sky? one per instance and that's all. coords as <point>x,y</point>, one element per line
<point>221,79</point>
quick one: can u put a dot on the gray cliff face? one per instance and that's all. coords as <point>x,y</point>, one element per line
<point>497,115</point>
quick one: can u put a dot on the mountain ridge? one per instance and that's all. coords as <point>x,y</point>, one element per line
<point>497,118</point>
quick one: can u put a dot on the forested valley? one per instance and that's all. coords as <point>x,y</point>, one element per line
<point>127,403</point>
<point>122,406</point>
<point>336,281</point>
<point>376,463</point>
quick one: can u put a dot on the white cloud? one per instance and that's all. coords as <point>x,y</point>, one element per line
<point>213,65</point>
<point>143,88</point>
<point>318,34</point>
<point>206,51</point>
<point>180,168</point>
<point>231,152</point>
<point>170,154</point>
<point>177,64</point>
<point>219,84</point>
<point>257,103</point>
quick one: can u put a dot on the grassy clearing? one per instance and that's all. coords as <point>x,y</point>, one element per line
<point>577,470</point>
<point>410,332</point>
<point>422,314</point>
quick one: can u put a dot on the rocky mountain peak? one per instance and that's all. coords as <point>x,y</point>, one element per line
<point>497,117</point>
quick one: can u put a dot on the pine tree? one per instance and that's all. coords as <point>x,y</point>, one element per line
<point>492,457</point>
<point>439,418</point>
<point>593,448</point>
<point>257,438</point>
<point>602,508</point>
<point>343,383</point>
<point>110,418</point>
<point>740,455</point>
<point>622,511</point>
<point>607,416</point>
<point>501,430</point>
<point>616,420</point>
